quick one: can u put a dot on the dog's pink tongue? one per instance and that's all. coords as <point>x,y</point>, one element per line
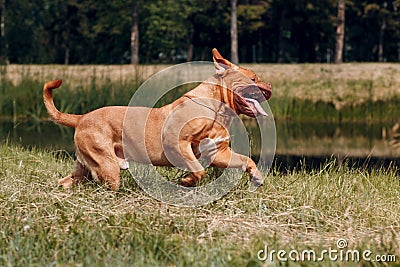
<point>256,105</point>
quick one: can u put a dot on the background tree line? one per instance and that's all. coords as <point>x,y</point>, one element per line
<point>169,31</point>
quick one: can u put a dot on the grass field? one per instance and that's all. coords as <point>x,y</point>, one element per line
<point>43,225</point>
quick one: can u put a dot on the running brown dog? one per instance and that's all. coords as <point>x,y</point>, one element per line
<point>99,133</point>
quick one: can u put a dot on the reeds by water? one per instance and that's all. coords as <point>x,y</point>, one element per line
<point>300,93</point>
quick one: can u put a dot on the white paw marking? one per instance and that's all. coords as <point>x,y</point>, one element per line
<point>123,164</point>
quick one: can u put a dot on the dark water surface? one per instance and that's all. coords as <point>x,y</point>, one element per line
<point>306,145</point>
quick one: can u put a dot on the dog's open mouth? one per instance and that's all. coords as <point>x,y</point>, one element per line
<point>248,100</point>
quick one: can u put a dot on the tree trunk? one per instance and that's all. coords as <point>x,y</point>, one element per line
<point>380,46</point>
<point>3,39</point>
<point>398,42</point>
<point>67,45</point>
<point>66,57</point>
<point>283,51</point>
<point>189,56</point>
<point>134,34</point>
<point>340,32</point>
<point>234,34</point>
<point>67,27</point>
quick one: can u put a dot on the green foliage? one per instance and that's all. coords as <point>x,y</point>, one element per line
<point>167,32</point>
<point>77,32</point>
<point>366,21</point>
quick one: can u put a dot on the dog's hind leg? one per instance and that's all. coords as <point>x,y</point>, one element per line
<point>100,157</point>
<point>106,170</point>
<point>80,174</point>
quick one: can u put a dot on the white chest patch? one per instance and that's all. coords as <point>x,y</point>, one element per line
<point>208,147</point>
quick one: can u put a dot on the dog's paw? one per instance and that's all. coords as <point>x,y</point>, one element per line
<point>66,182</point>
<point>256,181</point>
<point>188,182</point>
<point>193,178</point>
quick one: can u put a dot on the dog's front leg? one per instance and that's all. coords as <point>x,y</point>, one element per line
<point>193,178</point>
<point>183,156</point>
<point>226,158</point>
<point>197,171</point>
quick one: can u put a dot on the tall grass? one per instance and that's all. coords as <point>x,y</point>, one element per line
<point>27,96</point>
<point>44,225</point>
<point>345,93</point>
<point>294,109</point>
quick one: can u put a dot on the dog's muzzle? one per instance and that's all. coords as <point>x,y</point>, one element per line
<point>248,100</point>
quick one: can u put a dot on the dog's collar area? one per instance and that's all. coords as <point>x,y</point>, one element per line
<point>226,94</point>
<point>208,107</point>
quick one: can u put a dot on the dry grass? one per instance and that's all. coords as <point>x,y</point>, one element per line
<point>347,85</point>
<point>81,75</point>
<point>307,81</point>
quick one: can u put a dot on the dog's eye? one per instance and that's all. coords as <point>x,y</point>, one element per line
<point>254,79</point>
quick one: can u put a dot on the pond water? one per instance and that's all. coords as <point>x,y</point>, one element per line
<point>298,144</point>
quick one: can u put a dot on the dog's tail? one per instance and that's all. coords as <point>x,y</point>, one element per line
<point>70,120</point>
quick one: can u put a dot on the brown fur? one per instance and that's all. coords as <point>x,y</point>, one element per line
<point>98,134</point>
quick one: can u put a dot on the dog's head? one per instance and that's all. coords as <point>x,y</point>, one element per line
<point>247,88</point>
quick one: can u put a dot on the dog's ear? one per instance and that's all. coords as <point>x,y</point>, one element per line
<point>221,64</point>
